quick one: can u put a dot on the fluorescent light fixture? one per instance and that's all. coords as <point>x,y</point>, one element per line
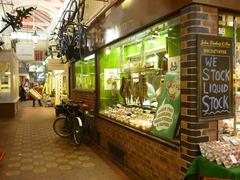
<point>133,55</point>
<point>14,35</point>
<point>107,51</point>
<point>28,35</point>
<point>126,4</point>
<point>35,37</point>
<point>111,34</point>
<point>159,48</point>
<point>58,72</point>
<point>89,57</point>
<point>151,41</point>
<point>166,56</point>
<point>230,23</point>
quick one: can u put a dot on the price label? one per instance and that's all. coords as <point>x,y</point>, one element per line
<point>233,158</point>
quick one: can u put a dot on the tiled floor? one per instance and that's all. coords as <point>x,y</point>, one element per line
<point>34,152</point>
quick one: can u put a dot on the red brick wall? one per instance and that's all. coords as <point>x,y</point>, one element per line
<point>195,19</point>
<point>146,157</point>
<point>89,97</point>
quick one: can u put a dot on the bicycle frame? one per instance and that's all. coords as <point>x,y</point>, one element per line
<point>78,41</point>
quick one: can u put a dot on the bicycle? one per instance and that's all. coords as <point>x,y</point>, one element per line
<point>69,122</point>
<point>88,126</point>
<point>73,44</point>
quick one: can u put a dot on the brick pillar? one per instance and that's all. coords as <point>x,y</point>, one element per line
<point>195,19</point>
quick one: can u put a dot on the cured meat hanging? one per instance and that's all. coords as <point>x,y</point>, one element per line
<point>125,90</point>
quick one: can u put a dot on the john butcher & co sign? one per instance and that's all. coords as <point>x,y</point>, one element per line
<point>215,77</point>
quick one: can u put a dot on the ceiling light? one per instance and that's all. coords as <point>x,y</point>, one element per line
<point>108,51</point>
<point>14,35</point>
<point>35,37</point>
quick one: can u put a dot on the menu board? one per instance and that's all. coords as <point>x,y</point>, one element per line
<point>215,67</point>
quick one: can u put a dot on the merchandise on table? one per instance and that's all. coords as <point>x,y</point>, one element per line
<point>225,153</point>
<point>132,116</point>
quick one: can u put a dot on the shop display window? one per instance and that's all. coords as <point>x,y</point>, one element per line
<point>8,77</point>
<point>140,80</point>
<point>229,26</point>
<point>85,73</point>
<point>5,82</point>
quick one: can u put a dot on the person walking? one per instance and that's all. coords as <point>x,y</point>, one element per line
<point>39,90</point>
<point>22,93</point>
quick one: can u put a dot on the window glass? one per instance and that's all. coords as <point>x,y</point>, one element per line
<point>229,26</point>
<point>139,75</point>
<point>85,74</point>
<point>5,81</point>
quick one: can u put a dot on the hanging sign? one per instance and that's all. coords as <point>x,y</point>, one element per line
<point>166,117</point>
<point>215,67</point>
<point>25,51</point>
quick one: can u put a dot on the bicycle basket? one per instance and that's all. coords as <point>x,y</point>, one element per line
<point>59,109</point>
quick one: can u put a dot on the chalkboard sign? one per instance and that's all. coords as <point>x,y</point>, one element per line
<point>215,67</point>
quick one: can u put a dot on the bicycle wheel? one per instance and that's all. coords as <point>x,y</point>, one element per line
<point>71,12</point>
<point>88,129</point>
<point>61,127</point>
<point>81,9</point>
<point>78,131</point>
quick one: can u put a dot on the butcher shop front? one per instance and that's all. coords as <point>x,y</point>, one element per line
<point>164,83</point>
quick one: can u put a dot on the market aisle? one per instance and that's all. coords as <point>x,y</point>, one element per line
<point>33,151</point>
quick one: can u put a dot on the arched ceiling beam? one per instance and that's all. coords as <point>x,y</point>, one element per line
<point>42,15</point>
<point>45,8</point>
<point>41,18</point>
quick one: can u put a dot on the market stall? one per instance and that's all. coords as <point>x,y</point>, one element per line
<point>57,82</point>
<point>201,167</point>
<point>154,80</point>
<point>9,83</point>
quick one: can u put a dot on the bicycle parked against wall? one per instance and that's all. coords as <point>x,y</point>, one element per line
<point>68,122</point>
<point>74,119</point>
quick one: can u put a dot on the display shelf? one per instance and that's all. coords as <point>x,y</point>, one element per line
<point>155,50</point>
<point>134,55</point>
<point>174,143</point>
<point>84,90</point>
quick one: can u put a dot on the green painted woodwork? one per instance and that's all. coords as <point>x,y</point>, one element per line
<point>173,40</point>
<point>229,32</point>
<point>85,75</point>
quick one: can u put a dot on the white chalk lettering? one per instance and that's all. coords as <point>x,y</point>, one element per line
<point>212,104</point>
<point>205,74</point>
<point>211,61</point>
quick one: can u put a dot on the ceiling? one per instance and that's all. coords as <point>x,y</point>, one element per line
<point>42,16</point>
<point>47,14</point>
<point>48,10</point>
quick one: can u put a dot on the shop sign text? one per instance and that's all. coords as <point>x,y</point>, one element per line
<point>215,76</point>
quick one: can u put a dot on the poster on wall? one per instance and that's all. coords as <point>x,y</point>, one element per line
<point>25,51</point>
<point>215,77</point>
<point>166,117</point>
<point>174,64</point>
<point>111,75</point>
<point>4,67</point>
